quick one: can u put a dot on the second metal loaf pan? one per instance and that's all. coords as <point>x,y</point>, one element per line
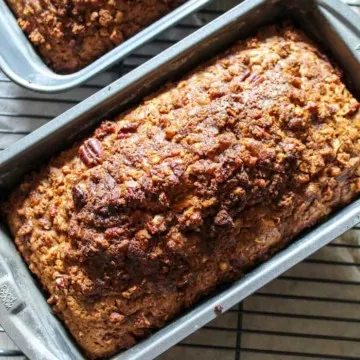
<point>21,63</point>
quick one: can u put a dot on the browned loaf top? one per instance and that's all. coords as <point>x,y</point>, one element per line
<point>70,34</point>
<point>201,181</point>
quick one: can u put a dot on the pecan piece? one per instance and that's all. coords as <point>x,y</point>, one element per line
<point>256,79</point>
<point>126,129</point>
<point>116,317</point>
<point>245,75</point>
<point>91,152</point>
<point>106,128</point>
<point>61,282</point>
<point>223,218</point>
<point>353,108</point>
<point>312,106</point>
<point>79,196</point>
<point>218,309</point>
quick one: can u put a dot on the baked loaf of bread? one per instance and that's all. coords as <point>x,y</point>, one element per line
<point>190,189</point>
<point>70,34</point>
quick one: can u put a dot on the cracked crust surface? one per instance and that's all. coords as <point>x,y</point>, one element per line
<point>201,181</point>
<point>70,34</point>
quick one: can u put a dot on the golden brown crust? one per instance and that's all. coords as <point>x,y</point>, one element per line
<point>200,182</point>
<point>70,34</point>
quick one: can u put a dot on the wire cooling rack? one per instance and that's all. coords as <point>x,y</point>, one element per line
<point>311,312</point>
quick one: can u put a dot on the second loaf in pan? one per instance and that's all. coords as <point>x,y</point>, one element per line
<point>70,34</point>
<point>200,182</point>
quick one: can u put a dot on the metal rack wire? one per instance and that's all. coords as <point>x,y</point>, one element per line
<point>312,311</point>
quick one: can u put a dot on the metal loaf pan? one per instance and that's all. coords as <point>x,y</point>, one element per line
<point>24,313</point>
<point>21,63</point>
